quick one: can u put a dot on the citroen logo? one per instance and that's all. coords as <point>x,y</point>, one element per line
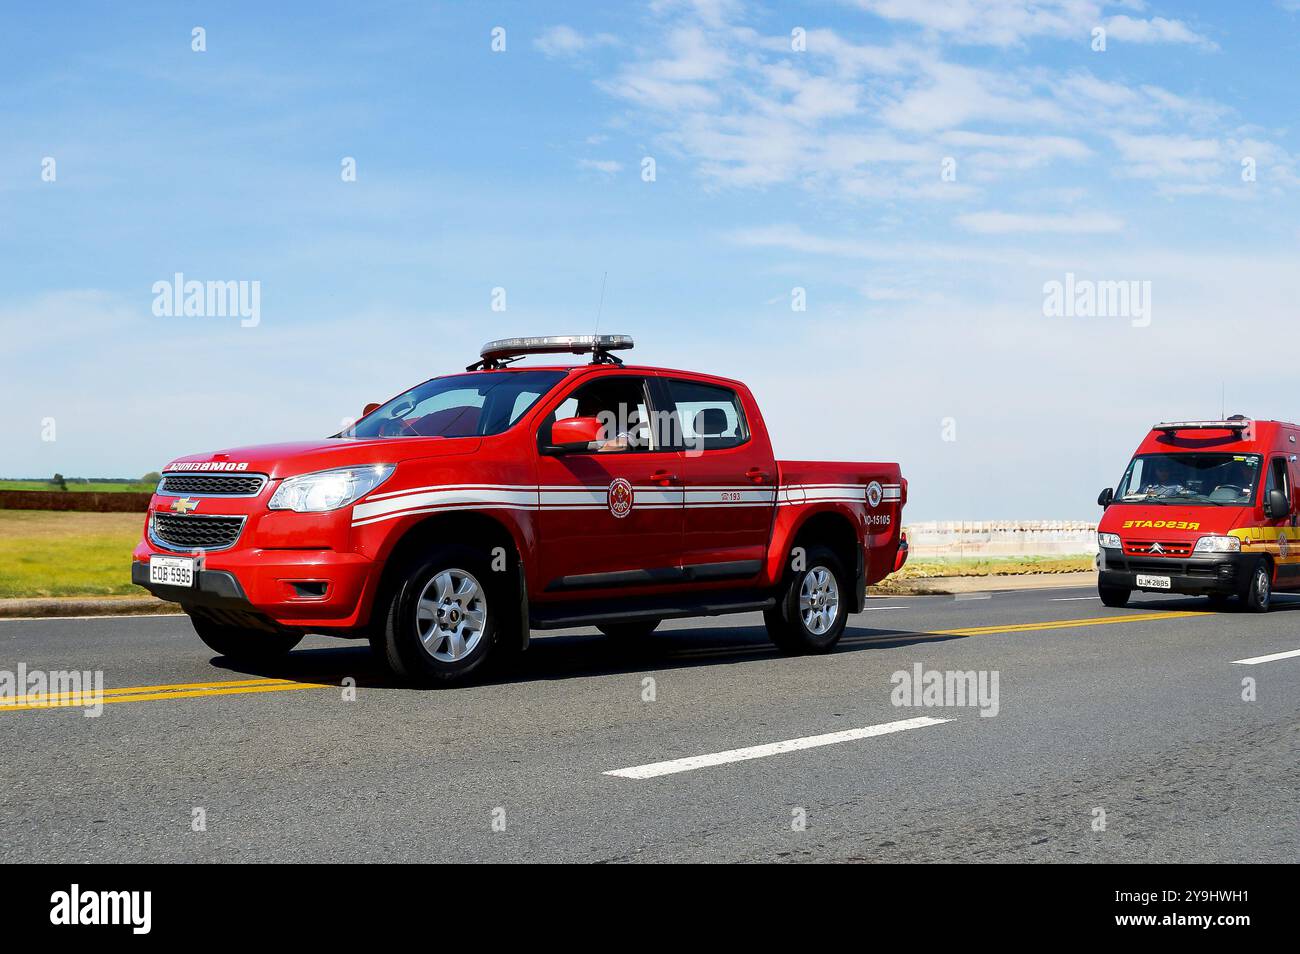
<point>184,505</point>
<point>1157,548</point>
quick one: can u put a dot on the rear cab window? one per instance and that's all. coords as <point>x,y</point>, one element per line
<point>707,416</point>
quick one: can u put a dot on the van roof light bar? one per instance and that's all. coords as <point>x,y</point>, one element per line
<point>1238,424</point>
<point>497,354</point>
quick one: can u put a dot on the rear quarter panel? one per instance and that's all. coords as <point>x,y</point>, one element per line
<point>807,488</point>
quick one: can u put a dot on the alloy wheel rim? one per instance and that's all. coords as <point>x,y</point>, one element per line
<point>819,600</point>
<point>450,615</point>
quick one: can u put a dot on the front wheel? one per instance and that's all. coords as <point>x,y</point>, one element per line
<point>442,619</point>
<point>1258,594</point>
<point>810,614</point>
<point>1114,595</point>
<point>243,644</point>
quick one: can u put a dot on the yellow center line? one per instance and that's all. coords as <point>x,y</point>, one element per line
<point>969,631</point>
<point>189,690</point>
<point>134,690</point>
<point>194,690</point>
<point>1064,623</point>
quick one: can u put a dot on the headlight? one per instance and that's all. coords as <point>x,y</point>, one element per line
<point>1218,545</point>
<point>328,489</point>
<point>1108,540</point>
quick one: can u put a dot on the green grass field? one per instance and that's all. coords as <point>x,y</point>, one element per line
<point>919,568</point>
<point>74,486</point>
<point>43,553</point>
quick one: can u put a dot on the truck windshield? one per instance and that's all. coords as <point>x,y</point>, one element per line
<point>460,405</point>
<point>1228,480</point>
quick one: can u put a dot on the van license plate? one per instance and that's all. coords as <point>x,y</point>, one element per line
<point>171,571</point>
<point>1153,582</point>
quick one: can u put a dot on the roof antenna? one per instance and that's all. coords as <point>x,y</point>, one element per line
<point>1223,399</point>
<point>601,306</point>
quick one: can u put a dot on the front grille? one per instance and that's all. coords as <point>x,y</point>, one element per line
<point>194,532</point>
<point>1168,548</point>
<point>212,485</point>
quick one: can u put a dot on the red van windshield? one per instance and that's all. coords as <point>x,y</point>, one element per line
<point>1228,480</point>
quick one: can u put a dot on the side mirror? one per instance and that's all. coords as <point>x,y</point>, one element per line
<point>574,435</point>
<point>370,408</point>
<point>1276,505</point>
<point>1105,498</point>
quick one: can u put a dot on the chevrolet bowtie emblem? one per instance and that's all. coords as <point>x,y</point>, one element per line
<point>184,505</point>
<point>1157,548</point>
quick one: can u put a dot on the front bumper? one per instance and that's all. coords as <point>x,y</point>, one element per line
<point>1196,574</point>
<point>294,588</point>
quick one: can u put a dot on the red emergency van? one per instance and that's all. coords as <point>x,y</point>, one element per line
<point>461,514</point>
<point>1205,507</point>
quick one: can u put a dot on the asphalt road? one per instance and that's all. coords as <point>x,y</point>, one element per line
<point>1137,713</point>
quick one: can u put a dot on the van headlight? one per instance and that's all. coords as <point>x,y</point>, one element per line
<point>1217,544</point>
<point>1108,540</point>
<point>328,489</point>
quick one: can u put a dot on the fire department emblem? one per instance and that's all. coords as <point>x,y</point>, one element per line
<point>874,493</point>
<point>1283,544</point>
<point>620,497</point>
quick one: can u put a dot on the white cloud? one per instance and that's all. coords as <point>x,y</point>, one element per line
<point>1009,22</point>
<point>606,167</point>
<point>1003,223</point>
<point>1155,30</point>
<point>559,41</point>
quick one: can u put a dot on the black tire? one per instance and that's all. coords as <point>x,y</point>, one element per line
<point>1114,595</point>
<point>1257,592</point>
<point>243,644</point>
<point>404,627</point>
<point>631,632</point>
<point>787,626</point>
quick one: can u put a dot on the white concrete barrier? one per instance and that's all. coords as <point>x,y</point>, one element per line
<point>992,538</point>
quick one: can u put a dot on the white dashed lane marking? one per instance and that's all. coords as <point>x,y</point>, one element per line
<point>655,769</point>
<point>1271,657</point>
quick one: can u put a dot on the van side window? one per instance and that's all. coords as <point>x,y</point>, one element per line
<point>1278,478</point>
<point>709,417</point>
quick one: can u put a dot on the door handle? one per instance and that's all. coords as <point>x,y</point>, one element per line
<point>663,478</point>
<point>757,475</point>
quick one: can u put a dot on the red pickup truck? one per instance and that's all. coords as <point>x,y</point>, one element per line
<point>450,521</point>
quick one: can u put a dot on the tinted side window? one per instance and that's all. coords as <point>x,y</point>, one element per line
<point>619,403</point>
<point>710,417</point>
<point>1278,478</point>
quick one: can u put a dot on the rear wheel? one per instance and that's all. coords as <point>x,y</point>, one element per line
<point>243,643</point>
<point>1258,593</point>
<point>1114,595</point>
<point>443,618</point>
<point>811,613</point>
<point>630,631</point>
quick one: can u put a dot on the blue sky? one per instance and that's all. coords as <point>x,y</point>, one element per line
<point>819,168</point>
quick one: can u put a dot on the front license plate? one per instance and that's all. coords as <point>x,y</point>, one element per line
<point>171,571</point>
<point>1153,582</point>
